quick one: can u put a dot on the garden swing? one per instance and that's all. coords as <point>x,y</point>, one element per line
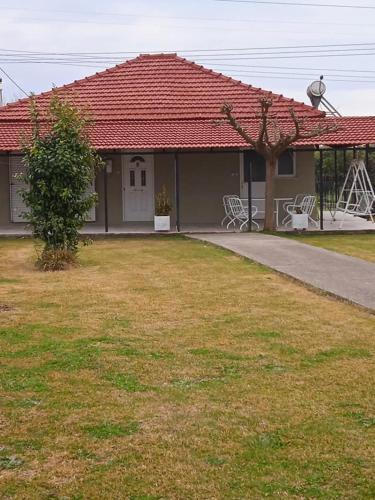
<point>357,196</point>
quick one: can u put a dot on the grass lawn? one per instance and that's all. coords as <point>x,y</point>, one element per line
<point>164,368</point>
<point>355,245</point>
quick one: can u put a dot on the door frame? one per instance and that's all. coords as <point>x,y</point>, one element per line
<point>124,162</point>
<point>242,177</point>
<point>258,204</point>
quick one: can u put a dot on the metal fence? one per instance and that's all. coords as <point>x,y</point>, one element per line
<point>331,168</point>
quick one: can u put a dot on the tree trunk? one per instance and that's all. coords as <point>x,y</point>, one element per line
<point>269,219</point>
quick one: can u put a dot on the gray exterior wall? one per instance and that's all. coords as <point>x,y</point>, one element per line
<point>204,179</point>
<point>304,180</point>
<point>114,193</point>
<point>165,176</point>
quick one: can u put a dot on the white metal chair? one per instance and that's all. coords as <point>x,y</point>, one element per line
<point>306,206</point>
<point>227,209</point>
<point>292,206</point>
<point>240,212</point>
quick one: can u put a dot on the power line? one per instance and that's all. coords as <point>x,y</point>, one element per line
<point>199,61</point>
<point>243,68</point>
<point>259,74</point>
<point>184,18</point>
<point>297,78</point>
<point>97,67</point>
<point>76,62</point>
<point>306,75</point>
<point>299,4</point>
<point>225,55</point>
<point>365,44</point>
<point>258,70</point>
<point>199,57</point>
<point>317,70</point>
<point>14,82</point>
<point>215,57</point>
<point>195,26</point>
<point>173,25</point>
<point>277,53</point>
<point>301,55</point>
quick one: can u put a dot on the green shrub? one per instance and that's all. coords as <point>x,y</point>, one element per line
<point>61,165</point>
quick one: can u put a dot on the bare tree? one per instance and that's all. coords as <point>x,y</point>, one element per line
<point>273,139</point>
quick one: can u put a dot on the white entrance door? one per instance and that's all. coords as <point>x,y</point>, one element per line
<point>17,205</point>
<point>138,188</point>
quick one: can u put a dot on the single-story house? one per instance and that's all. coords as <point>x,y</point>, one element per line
<point>155,123</point>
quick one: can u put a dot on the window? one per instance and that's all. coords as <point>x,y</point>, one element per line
<point>132,178</point>
<point>143,178</point>
<point>137,160</point>
<point>286,164</point>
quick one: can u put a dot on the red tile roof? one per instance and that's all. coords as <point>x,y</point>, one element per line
<point>354,131</point>
<point>187,134</point>
<point>166,102</point>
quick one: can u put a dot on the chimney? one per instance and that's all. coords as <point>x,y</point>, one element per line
<point>1,92</point>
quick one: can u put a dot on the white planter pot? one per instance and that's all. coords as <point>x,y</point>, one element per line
<point>300,221</point>
<point>162,223</point>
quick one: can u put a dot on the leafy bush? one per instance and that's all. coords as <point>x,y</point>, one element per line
<point>61,164</point>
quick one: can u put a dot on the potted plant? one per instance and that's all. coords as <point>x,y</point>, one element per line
<point>163,208</point>
<point>300,221</point>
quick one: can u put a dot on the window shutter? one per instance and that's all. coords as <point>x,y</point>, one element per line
<point>17,205</point>
<point>91,214</point>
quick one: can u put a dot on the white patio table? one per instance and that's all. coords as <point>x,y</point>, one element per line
<point>277,206</point>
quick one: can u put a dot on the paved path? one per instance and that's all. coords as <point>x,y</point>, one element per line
<point>346,277</point>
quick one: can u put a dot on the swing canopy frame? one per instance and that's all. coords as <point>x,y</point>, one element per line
<point>357,196</point>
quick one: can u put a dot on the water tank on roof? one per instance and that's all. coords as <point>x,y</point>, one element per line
<point>316,91</point>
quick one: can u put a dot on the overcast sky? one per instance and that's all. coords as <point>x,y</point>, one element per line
<point>179,25</point>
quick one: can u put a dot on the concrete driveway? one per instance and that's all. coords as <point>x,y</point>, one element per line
<point>346,277</point>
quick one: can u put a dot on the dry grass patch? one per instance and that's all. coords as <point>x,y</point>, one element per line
<point>166,368</point>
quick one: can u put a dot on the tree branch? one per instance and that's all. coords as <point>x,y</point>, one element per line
<point>317,131</point>
<point>227,111</point>
<point>281,140</point>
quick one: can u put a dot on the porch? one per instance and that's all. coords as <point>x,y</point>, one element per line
<point>196,183</point>
<point>351,224</point>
